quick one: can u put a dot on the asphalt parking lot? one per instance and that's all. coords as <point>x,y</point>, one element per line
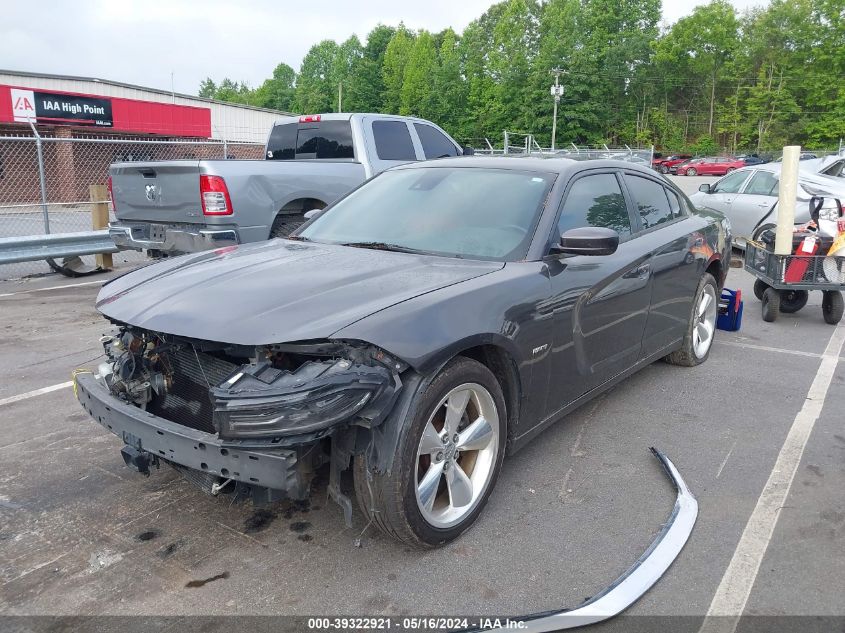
<point>80,534</point>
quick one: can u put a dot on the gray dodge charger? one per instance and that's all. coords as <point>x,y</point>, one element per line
<point>417,330</point>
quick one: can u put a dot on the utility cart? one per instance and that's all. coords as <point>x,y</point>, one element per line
<point>784,282</point>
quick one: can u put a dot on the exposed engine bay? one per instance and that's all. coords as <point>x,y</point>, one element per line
<point>309,398</point>
<point>238,392</point>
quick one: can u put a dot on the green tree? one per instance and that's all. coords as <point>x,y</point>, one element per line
<point>207,88</point>
<point>316,90</point>
<point>699,45</point>
<point>558,38</point>
<point>511,57</point>
<point>278,92</point>
<point>450,90</point>
<point>393,69</point>
<point>417,93</point>
<point>347,58</point>
<point>365,89</point>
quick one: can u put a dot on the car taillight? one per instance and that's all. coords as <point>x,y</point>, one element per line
<point>214,196</point>
<point>310,118</point>
<point>111,196</point>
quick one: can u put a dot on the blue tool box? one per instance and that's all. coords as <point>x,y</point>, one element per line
<point>730,310</point>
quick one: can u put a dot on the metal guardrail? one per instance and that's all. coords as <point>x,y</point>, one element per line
<point>55,246</point>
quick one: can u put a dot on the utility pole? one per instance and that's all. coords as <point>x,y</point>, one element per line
<point>340,97</point>
<point>557,91</point>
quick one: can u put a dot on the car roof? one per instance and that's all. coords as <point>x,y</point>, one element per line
<point>552,165</point>
<point>830,184</point>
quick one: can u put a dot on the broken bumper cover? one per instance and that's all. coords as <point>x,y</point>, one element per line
<point>274,468</point>
<point>639,578</point>
<point>160,237</point>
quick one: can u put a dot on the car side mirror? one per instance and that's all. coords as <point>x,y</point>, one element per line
<point>589,240</point>
<point>466,150</point>
<point>705,188</point>
<point>310,214</point>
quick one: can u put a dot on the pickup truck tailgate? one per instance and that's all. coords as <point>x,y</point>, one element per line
<point>163,191</point>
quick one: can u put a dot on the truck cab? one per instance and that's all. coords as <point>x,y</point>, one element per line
<point>182,206</point>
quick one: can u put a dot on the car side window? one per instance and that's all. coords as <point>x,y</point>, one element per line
<point>651,200</point>
<point>837,169</point>
<point>730,183</point>
<point>674,203</point>
<point>763,183</point>
<point>393,141</point>
<point>435,144</point>
<point>595,200</point>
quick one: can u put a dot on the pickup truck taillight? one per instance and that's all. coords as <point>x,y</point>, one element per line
<point>214,196</point>
<point>111,196</point>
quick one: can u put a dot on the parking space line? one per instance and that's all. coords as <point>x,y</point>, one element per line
<point>734,589</point>
<point>81,283</point>
<point>779,350</point>
<point>37,392</point>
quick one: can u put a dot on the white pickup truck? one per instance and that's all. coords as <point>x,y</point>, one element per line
<point>182,206</point>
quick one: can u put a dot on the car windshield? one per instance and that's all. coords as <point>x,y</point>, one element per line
<point>477,213</point>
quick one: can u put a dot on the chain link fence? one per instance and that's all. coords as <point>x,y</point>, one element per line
<point>44,180</point>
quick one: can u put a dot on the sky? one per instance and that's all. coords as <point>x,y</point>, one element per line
<point>143,42</point>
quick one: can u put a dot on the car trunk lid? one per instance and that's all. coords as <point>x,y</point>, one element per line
<point>161,191</point>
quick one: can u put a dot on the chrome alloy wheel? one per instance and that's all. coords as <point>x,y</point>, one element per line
<point>456,455</point>
<point>705,322</point>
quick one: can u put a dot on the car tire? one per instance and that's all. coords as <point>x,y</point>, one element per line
<point>730,169</point>
<point>760,287</point>
<point>691,171</point>
<point>832,306</point>
<point>286,224</point>
<point>792,301</point>
<point>423,468</point>
<point>664,169</point>
<point>695,348</point>
<point>771,305</point>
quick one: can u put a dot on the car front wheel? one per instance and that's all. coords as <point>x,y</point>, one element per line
<point>692,171</point>
<point>448,457</point>
<point>701,328</point>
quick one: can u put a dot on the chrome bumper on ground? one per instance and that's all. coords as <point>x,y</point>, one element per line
<point>204,452</point>
<point>160,237</point>
<point>639,578</point>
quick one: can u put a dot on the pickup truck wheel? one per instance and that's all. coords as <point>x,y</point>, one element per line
<point>448,457</point>
<point>286,224</point>
<point>701,328</point>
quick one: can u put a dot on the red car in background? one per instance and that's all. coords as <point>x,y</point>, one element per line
<point>711,166</point>
<point>664,165</point>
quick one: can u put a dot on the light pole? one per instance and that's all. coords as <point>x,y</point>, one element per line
<point>556,91</point>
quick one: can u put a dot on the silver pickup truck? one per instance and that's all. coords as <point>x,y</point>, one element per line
<point>182,206</point>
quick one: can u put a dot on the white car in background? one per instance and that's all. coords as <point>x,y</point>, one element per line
<point>748,197</point>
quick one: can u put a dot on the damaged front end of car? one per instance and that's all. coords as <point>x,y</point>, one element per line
<point>256,421</point>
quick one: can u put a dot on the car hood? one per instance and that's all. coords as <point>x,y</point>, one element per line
<point>277,291</point>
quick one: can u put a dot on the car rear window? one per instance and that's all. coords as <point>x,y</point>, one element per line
<point>303,141</point>
<point>651,199</point>
<point>393,141</point>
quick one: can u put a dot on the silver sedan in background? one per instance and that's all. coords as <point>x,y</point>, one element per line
<point>748,198</point>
